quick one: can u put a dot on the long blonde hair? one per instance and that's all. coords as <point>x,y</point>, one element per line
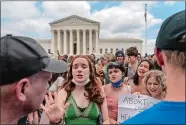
<point>160,78</point>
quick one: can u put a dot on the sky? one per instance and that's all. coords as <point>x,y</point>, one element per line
<point>118,19</point>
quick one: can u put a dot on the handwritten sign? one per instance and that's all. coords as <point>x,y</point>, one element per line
<point>130,105</point>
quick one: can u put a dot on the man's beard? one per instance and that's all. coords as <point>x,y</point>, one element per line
<point>30,105</point>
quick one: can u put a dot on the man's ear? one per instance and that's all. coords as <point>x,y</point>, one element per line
<point>159,56</point>
<point>21,89</point>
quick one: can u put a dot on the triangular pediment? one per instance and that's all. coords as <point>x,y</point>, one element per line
<point>74,19</point>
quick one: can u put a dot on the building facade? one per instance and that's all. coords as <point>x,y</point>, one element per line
<point>77,35</point>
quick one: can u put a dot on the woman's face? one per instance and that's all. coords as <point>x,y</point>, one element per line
<point>80,70</point>
<point>105,61</point>
<point>115,74</point>
<point>143,68</point>
<point>153,87</point>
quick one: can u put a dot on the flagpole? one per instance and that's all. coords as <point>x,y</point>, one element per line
<point>145,29</point>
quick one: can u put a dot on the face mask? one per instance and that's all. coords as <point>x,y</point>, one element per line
<point>117,84</point>
<point>81,84</point>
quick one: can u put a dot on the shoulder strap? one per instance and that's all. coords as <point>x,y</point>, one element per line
<point>68,95</point>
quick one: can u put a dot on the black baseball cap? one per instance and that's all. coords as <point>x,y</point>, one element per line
<point>119,53</point>
<point>21,57</point>
<point>169,37</point>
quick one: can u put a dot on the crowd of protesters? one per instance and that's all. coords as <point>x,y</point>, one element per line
<point>84,89</point>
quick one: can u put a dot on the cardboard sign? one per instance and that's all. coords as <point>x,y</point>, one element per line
<point>130,105</point>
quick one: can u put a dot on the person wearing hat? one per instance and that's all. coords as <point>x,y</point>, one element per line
<point>120,56</point>
<point>170,52</point>
<point>25,69</point>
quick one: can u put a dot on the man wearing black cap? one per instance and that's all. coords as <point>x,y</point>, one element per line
<point>170,52</point>
<point>25,69</point>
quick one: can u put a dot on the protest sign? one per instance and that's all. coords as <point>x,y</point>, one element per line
<point>129,105</point>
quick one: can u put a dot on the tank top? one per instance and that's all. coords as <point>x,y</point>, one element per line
<point>113,105</point>
<point>77,115</point>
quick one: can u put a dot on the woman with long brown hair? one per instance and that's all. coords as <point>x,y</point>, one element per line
<point>84,94</point>
<point>137,82</point>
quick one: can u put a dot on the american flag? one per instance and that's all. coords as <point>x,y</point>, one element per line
<point>145,13</point>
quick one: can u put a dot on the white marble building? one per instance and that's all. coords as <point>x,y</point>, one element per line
<point>77,35</point>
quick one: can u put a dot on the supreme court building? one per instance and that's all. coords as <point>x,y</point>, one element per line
<point>77,35</point>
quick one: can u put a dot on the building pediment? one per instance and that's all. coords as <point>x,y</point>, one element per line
<point>73,20</point>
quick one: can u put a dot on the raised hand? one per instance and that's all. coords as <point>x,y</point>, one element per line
<point>33,118</point>
<point>54,108</point>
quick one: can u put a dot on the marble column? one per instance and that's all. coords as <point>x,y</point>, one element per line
<point>65,42</point>
<point>53,42</point>
<point>84,41</point>
<point>90,41</point>
<point>97,50</point>
<point>59,41</point>
<point>71,43</point>
<point>78,42</point>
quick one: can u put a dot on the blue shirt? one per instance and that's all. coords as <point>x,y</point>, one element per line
<point>162,113</point>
